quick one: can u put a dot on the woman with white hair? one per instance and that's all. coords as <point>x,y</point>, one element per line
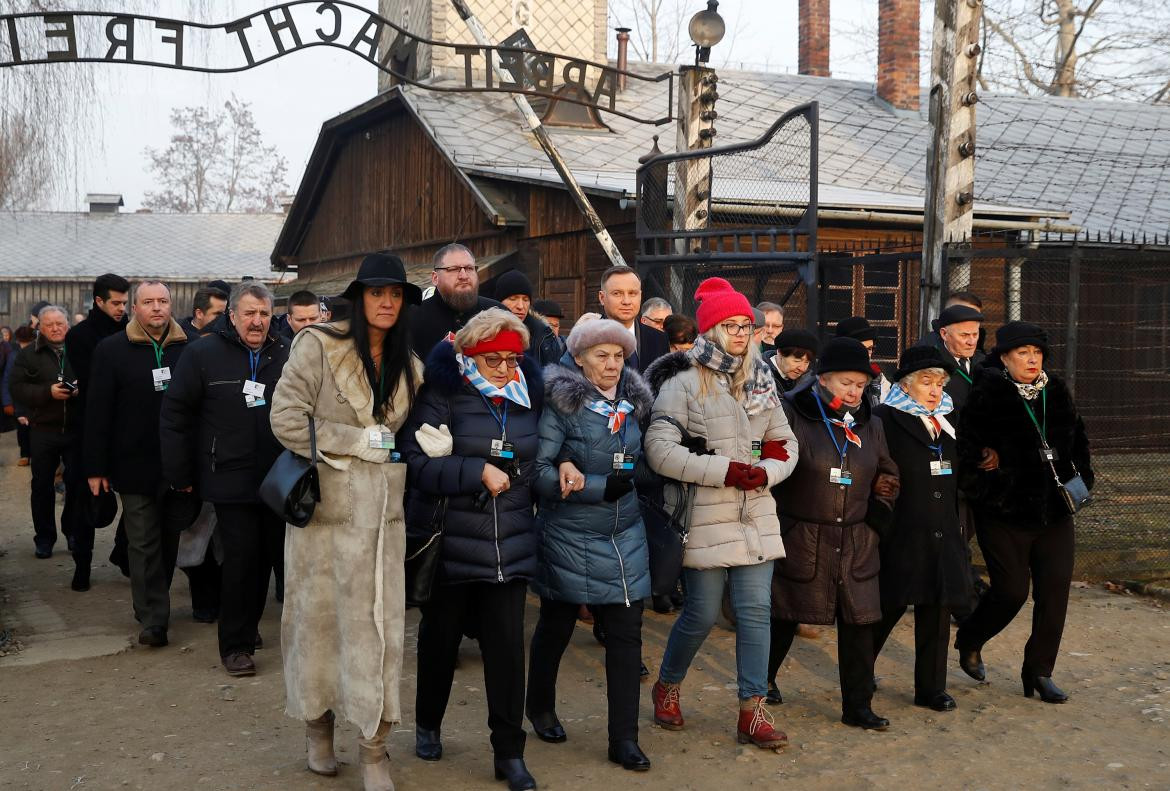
<point>592,540</point>
<point>923,554</point>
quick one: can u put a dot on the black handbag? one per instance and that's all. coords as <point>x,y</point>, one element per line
<point>667,530</point>
<point>423,556</point>
<point>292,488</point>
<point>1074,492</point>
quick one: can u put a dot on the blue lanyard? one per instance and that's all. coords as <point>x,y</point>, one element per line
<point>937,448</point>
<point>843,448</point>
<point>501,418</point>
<point>253,362</point>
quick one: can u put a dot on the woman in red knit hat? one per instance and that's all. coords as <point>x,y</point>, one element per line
<point>722,391</point>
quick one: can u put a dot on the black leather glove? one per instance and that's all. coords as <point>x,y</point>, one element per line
<point>616,486</point>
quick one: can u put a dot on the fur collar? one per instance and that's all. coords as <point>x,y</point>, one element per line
<point>997,386</point>
<point>569,391</point>
<point>136,334</point>
<point>441,372</point>
<point>666,368</point>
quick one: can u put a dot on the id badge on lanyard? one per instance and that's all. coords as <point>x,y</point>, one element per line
<point>623,461</point>
<point>253,393</point>
<point>162,377</point>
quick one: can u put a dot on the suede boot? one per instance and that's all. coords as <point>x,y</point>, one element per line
<point>375,762</point>
<point>320,745</point>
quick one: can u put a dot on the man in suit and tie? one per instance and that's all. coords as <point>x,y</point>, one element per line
<point>621,300</point>
<point>958,336</point>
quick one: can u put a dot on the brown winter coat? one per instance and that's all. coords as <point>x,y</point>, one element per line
<point>831,531</point>
<point>344,605</point>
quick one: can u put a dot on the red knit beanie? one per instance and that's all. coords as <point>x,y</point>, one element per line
<point>502,341</point>
<point>719,301</point>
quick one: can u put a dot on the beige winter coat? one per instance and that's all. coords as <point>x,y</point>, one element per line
<point>344,609</point>
<point>728,527</point>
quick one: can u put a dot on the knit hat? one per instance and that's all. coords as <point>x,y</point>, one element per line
<point>549,307</point>
<point>502,341</point>
<point>796,338</point>
<point>511,283</point>
<point>718,301</point>
<point>918,358</point>
<point>955,314</point>
<point>856,327</point>
<point>844,354</point>
<point>588,334</point>
<point>1015,334</point>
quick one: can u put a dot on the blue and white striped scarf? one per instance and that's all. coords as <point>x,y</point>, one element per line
<point>515,391</point>
<point>899,399</point>
<point>614,416</point>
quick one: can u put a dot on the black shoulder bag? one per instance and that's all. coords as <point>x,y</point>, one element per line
<point>423,556</point>
<point>667,531</point>
<point>1074,492</point>
<point>292,488</point>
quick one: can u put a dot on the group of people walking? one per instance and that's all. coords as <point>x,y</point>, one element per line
<point>817,490</point>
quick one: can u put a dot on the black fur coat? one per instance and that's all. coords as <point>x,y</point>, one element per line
<point>1021,491</point>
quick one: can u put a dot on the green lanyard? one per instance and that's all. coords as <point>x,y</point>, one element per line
<point>1044,404</point>
<point>960,372</point>
<point>158,352</point>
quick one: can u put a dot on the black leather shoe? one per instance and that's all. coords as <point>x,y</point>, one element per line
<point>43,554</point>
<point>774,698</point>
<point>153,636</point>
<point>427,745</point>
<point>972,663</point>
<point>627,753</point>
<point>547,727</point>
<point>939,701</point>
<point>204,616</point>
<point>515,772</point>
<point>662,604</point>
<point>865,718</point>
<point>1049,692</point>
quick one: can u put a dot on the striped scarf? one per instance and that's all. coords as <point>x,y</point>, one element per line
<point>614,415</point>
<point>899,399</point>
<point>515,391</point>
<point>760,386</point>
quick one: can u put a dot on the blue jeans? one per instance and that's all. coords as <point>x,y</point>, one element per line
<point>751,601</point>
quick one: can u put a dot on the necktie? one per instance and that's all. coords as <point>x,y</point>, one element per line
<point>966,365</point>
<point>935,428</point>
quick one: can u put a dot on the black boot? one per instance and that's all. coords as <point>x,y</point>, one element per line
<point>515,772</point>
<point>82,561</point>
<point>627,753</point>
<point>972,663</point>
<point>547,727</point>
<point>1049,692</point>
<point>427,744</point>
<point>865,718</point>
<point>774,697</point>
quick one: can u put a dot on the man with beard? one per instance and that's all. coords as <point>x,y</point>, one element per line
<point>456,299</point>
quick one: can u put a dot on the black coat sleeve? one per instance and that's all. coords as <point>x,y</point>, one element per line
<point>972,439</point>
<point>879,513</point>
<point>100,409</point>
<point>26,383</point>
<point>179,422</point>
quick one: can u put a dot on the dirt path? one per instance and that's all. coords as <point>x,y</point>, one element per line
<point>79,716</point>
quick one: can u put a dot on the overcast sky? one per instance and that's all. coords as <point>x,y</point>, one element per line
<point>294,95</point>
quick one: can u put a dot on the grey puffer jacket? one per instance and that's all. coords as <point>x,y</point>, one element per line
<point>728,527</point>
<point>591,551</point>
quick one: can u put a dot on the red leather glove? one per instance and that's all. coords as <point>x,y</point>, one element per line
<point>736,472</point>
<point>755,478</point>
<point>774,449</point>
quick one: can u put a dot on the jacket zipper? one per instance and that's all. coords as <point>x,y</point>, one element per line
<point>213,439</point>
<point>617,508</point>
<point>496,536</point>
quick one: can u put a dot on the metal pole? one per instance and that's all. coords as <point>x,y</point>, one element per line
<point>541,134</point>
<point>692,177</point>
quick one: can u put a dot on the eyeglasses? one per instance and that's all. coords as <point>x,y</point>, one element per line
<point>456,270</point>
<point>655,322</point>
<point>494,360</point>
<point>737,329</point>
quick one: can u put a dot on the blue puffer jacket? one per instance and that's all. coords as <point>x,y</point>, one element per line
<point>496,543</point>
<point>591,551</point>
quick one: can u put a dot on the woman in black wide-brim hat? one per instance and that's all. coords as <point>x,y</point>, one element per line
<point>924,557</point>
<point>1015,411</point>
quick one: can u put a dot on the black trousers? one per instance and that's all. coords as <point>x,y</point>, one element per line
<point>253,542</point>
<point>855,658</point>
<point>205,582</point>
<point>932,627</point>
<point>1015,557</point>
<point>50,448</point>
<point>623,659</point>
<point>496,611</point>
<point>23,441</point>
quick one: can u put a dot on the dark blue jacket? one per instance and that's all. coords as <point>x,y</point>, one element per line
<point>591,551</point>
<point>493,543</point>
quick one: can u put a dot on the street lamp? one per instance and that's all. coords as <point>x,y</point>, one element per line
<point>706,29</point>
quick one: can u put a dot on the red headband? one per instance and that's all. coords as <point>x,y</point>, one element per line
<point>504,341</point>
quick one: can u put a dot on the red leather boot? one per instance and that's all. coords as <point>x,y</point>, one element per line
<point>757,727</point>
<point>667,711</point>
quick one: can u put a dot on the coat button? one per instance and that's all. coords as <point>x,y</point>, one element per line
<point>938,495</point>
<point>838,519</point>
<point>938,535</point>
<point>836,549</point>
<point>761,557</point>
<point>842,486</point>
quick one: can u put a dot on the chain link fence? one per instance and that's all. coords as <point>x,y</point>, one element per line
<point>1106,307</point>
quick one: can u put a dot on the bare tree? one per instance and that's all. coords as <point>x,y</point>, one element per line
<point>216,162</point>
<point>656,28</point>
<point>22,181</point>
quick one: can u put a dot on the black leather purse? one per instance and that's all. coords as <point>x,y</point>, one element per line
<point>292,488</point>
<point>423,556</point>
<point>667,530</point>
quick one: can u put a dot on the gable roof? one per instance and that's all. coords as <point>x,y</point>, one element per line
<point>43,245</point>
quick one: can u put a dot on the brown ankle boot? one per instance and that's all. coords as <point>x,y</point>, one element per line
<point>667,711</point>
<point>756,725</point>
<point>375,762</point>
<point>320,745</point>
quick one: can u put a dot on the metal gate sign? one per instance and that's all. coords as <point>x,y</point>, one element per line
<point>264,36</point>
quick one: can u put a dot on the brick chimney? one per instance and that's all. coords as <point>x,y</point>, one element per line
<point>897,69</point>
<point>813,50</point>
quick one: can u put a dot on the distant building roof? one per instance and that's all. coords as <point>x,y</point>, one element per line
<point>45,245</point>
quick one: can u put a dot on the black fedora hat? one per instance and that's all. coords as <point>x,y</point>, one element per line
<point>856,327</point>
<point>382,269</point>
<point>1015,334</point>
<point>918,358</point>
<point>844,354</point>
<point>956,314</point>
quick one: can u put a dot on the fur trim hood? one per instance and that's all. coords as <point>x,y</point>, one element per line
<point>666,368</point>
<point>441,372</point>
<point>569,391</point>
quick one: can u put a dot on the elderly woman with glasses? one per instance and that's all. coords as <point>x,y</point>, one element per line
<point>721,391</point>
<point>924,559</point>
<point>470,446</point>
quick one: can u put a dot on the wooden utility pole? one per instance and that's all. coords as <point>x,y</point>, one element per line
<point>950,163</point>
<point>697,95</point>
